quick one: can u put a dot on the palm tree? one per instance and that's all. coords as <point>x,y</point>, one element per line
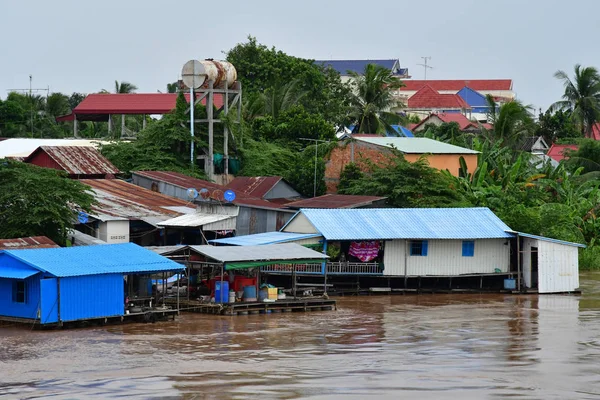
<point>125,87</point>
<point>512,121</point>
<point>173,87</point>
<point>581,97</point>
<point>57,104</point>
<point>372,99</point>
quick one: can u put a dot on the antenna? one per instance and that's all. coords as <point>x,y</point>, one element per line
<point>425,66</point>
<point>31,90</point>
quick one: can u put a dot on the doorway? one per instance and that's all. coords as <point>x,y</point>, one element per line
<point>534,267</point>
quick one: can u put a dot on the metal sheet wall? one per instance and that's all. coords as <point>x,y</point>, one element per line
<point>558,267</point>
<point>9,308</point>
<point>444,258</point>
<point>393,257</point>
<point>93,296</point>
<point>49,300</point>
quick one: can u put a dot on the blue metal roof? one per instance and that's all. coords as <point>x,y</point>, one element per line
<point>11,272</point>
<point>546,239</point>
<point>125,258</point>
<point>358,66</point>
<point>264,238</point>
<point>402,131</point>
<point>406,223</point>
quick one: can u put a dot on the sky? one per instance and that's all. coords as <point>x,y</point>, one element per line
<point>84,46</point>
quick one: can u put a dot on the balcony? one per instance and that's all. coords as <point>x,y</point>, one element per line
<point>333,268</point>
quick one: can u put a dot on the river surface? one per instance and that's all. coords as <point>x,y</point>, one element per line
<point>416,347</point>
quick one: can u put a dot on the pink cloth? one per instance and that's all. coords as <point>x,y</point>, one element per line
<point>364,251</point>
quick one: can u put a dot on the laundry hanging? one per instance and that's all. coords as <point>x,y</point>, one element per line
<point>364,251</point>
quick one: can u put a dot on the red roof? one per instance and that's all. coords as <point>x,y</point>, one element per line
<point>74,160</point>
<point>457,84</point>
<point>557,151</point>
<point>336,201</point>
<point>462,121</point>
<point>256,186</point>
<point>596,131</point>
<point>184,181</point>
<point>130,103</point>
<point>32,242</point>
<point>429,98</point>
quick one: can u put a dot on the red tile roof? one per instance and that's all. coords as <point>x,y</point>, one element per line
<point>132,103</point>
<point>335,201</point>
<point>74,160</point>
<point>557,151</point>
<point>462,121</point>
<point>183,181</point>
<point>32,242</point>
<point>255,186</point>
<point>429,98</point>
<point>457,84</point>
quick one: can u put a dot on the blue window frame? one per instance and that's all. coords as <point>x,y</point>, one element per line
<point>468,248</point>
<point>418,247</point>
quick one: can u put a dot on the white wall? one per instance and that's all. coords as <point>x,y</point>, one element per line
<point>558,266</point>
<point>300,224</point>
<point>114,231</point>
<point>528,243</point>
<point>444,258</point>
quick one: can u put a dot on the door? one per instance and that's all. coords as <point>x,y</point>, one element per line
<point>49,301</point>
<point>534,267</point>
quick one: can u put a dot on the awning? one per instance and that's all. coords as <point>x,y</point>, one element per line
<point>251,256</point>
<point>253,264</point>
<point>16,273</point>
<point>199,220</point>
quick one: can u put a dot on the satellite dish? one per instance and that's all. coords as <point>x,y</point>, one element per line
<point>192,193</point>
<point>229,195</point>
<point>204,193</point>
<point>192,74</point>
<point>82,217</point>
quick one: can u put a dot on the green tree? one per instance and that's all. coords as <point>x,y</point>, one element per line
<point>581,97</point>
<point>173,87</point>
<point>553,126</point>
<point>75,98</point>
<point>349,174</point>
<point>372,99</point>
<point>39,201</point>
<point>57,104</point>
<point>511,122</point>
<point>125,87</point>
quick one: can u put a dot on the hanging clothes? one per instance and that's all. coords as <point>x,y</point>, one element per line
<point>364,251</point>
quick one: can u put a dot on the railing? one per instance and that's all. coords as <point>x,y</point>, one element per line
<point>350,268</point>
<point>287,269</point>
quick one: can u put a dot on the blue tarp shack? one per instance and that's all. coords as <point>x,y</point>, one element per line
<point>57,285</point>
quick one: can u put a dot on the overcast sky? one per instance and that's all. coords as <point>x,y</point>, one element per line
<point>85,46</point>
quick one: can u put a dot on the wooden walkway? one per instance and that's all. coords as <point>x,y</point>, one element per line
<point>243,308</point>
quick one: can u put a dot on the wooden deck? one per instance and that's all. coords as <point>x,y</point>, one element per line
<point>243,308</point>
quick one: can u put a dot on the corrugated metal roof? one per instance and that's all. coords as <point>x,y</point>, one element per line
<point>547,239</point>
<point>198,220</point>
<point>268,252</point>
<point>10,272</point>
<point>124,258</point>
<point>358,66</point>
<point>118,199</point>
<point>335,201</point>
<point>259,239</point>
<point>32,242</point>
<point>457,84</point>
<point>406,223</point>
<point>76,160</point>
<point>416,145</point>
<point>164,249</point>
<point>23,147</point>
<point>256,186</point>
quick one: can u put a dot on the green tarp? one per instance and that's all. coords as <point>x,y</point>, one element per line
<point>252,264</point>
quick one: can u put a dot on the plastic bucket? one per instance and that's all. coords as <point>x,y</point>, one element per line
<point>510,284</point>
<point>231,296</point>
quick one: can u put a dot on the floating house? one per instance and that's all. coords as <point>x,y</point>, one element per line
<point>58,285</point>
<point>418,244</point>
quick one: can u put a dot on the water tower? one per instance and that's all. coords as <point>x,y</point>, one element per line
<point>205,79</point>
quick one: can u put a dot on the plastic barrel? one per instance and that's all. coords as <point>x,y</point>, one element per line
<point>250,293</point>
<point>221,292</point>
<point>231,296</point>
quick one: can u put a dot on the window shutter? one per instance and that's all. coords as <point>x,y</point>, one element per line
<point>424,250</point>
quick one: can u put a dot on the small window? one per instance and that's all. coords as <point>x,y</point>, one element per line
<point>418,248</point>
<point>468,248</point>
<point>19,292</point>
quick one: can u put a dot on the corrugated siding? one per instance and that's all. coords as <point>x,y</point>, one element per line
<point>444,258</point>
<point>96,296</point>
<point>393,257</point>
<point>558,267</point>
<point>19,310</point>
<point>49,301</point>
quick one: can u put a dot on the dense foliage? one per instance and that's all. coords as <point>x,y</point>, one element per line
<point>39,201</point>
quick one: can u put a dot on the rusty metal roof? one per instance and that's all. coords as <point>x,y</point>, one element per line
<point>336,201</point>
<point>32,242</point>
<point>120,200</point>
<point>76,160</point>
<point>256,186</point>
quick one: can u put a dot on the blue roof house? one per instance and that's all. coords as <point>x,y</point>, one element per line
<point>56,285</point>
<point>476,100</point>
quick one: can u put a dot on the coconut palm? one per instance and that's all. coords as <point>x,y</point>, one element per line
<point>581,97</point>
<point>125,87</point>
<point>511,121</point>
<point>372,99</point>
<point>57,104</point>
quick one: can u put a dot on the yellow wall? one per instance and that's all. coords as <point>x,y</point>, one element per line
<point>447,161</point>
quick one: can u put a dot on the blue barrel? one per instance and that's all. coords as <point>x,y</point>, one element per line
<point>250,293</point>
<point>221,292</point>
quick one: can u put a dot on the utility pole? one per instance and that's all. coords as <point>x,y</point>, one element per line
<point>316,157</point>
<point>425,66</point>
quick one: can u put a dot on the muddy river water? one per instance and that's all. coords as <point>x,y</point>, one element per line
<point>416,347</point>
